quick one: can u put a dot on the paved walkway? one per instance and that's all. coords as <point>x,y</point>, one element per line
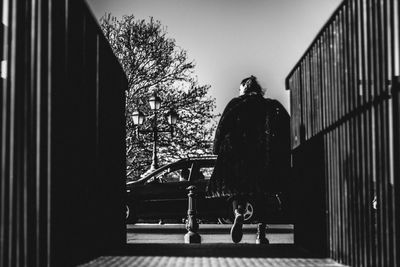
<point>168,261</point>
<point>173,253</point>
<point>203,227</point>
<point>211,255</point>
<point>210,233</point>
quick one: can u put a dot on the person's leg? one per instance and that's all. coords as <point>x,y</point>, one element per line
<point>261,202</point>
<point>239,204</point>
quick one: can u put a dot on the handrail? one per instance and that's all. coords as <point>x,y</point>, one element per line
<point>321,31</point>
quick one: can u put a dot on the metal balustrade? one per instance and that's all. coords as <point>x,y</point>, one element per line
<point>345,100</point>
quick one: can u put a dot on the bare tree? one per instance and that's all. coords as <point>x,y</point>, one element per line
<point>153,62</point>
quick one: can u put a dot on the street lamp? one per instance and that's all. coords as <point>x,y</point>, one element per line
<point>155,102</point>
<point>172,117</point>
<point>138,119</point>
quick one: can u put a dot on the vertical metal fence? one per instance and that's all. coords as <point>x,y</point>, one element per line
<point>345,89</point>
<point>62,136</point>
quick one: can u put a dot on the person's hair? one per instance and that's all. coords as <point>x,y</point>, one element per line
<point>251,85</point>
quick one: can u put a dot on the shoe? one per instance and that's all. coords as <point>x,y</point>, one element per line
<point>236,230</point>
<point>261,239</point>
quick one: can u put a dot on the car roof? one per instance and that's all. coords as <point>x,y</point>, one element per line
<point>178,162</point>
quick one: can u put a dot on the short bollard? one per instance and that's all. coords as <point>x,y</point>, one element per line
<point>191,224</point>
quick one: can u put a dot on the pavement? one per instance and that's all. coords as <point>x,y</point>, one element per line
<point>210,233</point>
<point>168,261</point>
<point>144,227</point>
<point>156,245</point>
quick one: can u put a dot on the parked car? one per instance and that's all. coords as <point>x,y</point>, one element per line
<point>162,194</point>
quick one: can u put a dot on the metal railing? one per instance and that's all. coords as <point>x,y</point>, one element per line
<point>62,148</point>
<point>345,92</point>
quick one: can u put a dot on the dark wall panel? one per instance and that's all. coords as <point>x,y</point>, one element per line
<point>310,204</point>
<point>353,89</point>
<point>62,137</point>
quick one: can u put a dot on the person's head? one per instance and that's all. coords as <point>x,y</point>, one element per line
<point>250,85</point>
<point>185,174</point>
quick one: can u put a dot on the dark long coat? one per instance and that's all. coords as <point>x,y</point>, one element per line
<point>252,142</point>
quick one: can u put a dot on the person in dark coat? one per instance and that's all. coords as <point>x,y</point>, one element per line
<point>252,142</point>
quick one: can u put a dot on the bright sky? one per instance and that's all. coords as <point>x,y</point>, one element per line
<point>232,39</point>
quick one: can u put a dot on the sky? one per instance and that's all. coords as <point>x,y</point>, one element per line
<point>230,40</point>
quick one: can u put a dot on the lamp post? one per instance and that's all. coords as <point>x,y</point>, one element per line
<point>138,119</point>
